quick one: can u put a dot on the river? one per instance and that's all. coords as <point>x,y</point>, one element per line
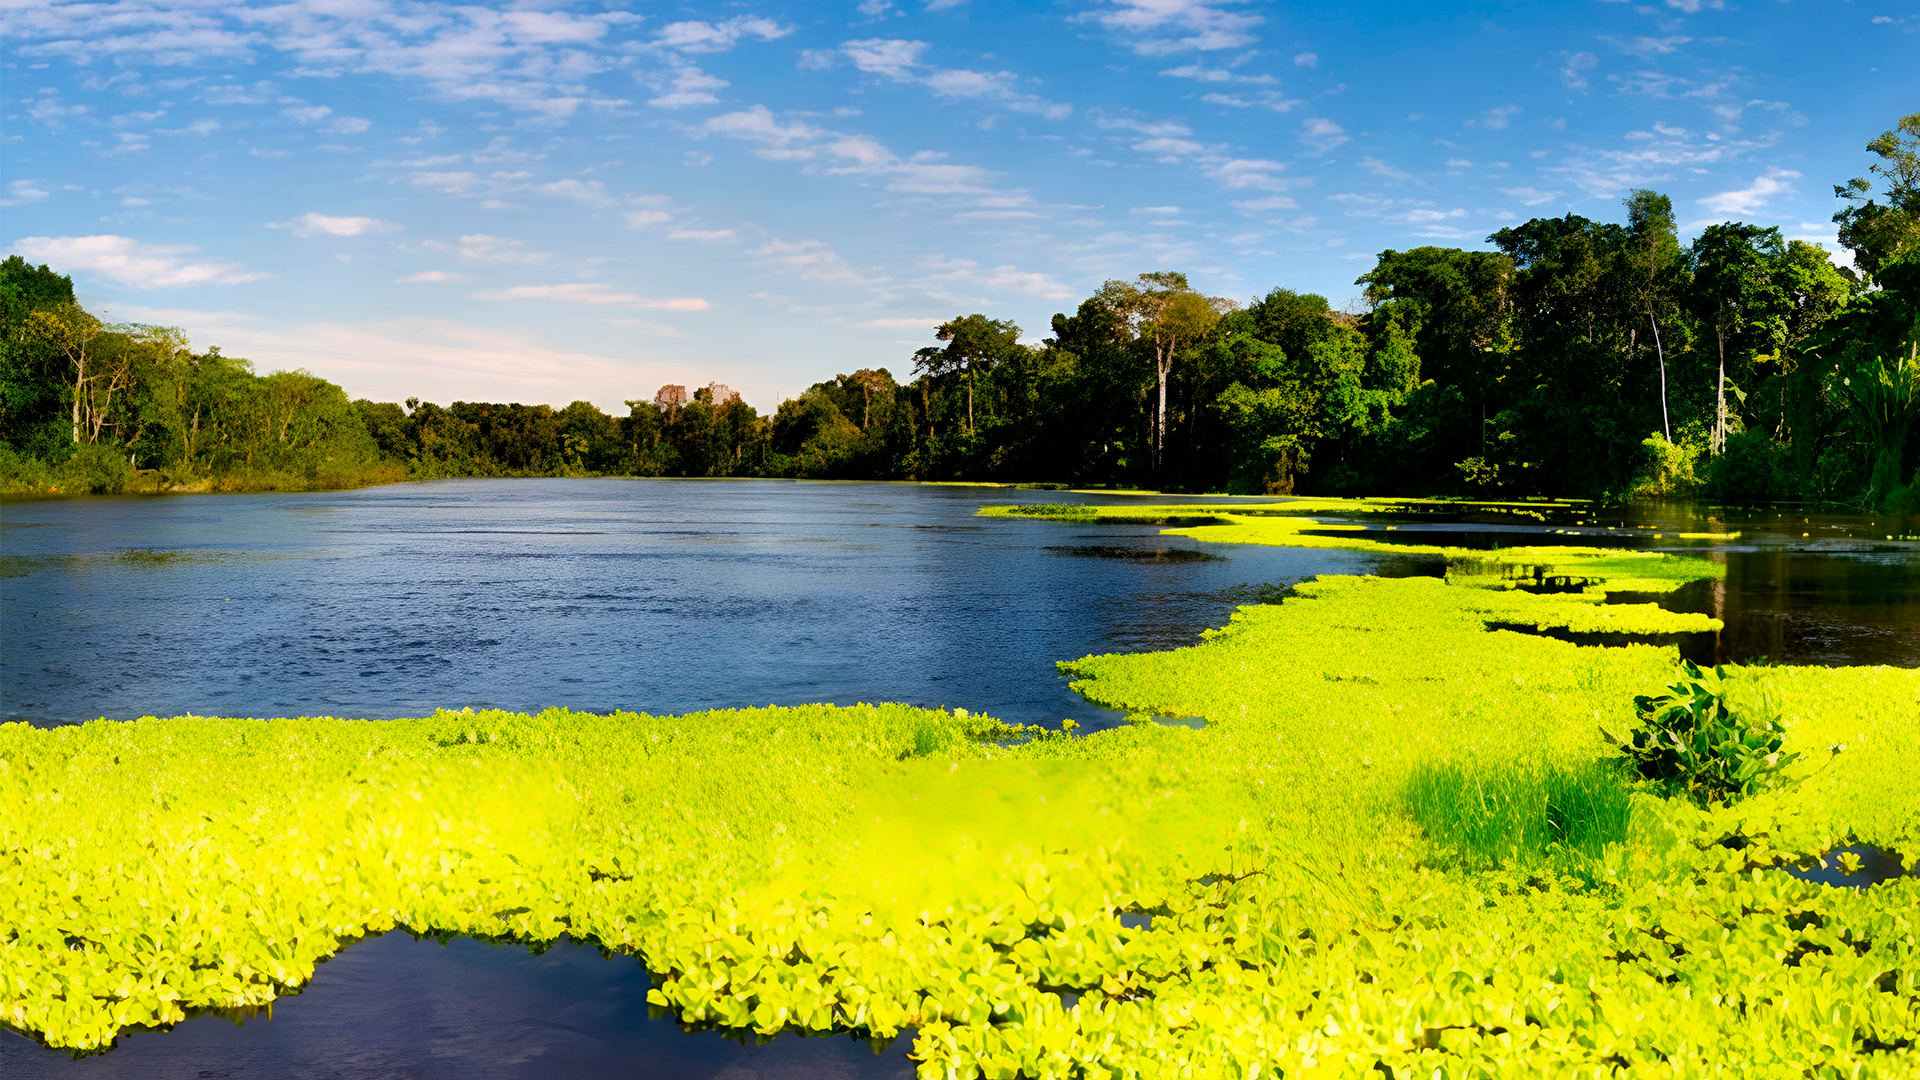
<point>674,596</point>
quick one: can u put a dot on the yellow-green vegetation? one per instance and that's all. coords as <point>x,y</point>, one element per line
<point>1297,523</point>
<point>1392,849</point>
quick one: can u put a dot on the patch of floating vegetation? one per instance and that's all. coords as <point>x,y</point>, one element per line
<point>138,558</point>
<point>1399,843</point>
<point>1135,554</point>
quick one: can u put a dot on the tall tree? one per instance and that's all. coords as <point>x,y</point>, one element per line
<point>1165,314</point>
<point>975,344</point>
<point>1655,262</point>
<point>1736,291</point>
<point>1883,233</point>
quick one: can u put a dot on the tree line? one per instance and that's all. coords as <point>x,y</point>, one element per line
<point>1576,357</point>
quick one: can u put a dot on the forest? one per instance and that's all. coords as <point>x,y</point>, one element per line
<point>1574,358</point>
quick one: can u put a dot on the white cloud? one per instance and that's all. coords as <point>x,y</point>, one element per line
<point>1380,168</point>
<point>705,236</point>
<point>311,224</point>
<point>899,60</point>
<point>1264,204</point>
<point>1248,173</point>
<point>1267,100</point>
<point>530,61</point>
<point>1200,73</point>
<point>23,191</point>
<point>591,192</point>
<point>643,219</point>
<point>1164,27</point>
<point>200,128</point>
<point>1169,149</point>
<point>1496,118</point>
<point>1575,71</point>
<point>593,292</point>
<point>758,124</point>
<point>1530,196</point>
<point>999,279</point>
<point>1322,134</point>
<point>691,86</point>
<point>928,322</point>
<point>892,57</point>
<point>431,276</point>
<point>1647,47</point>
<point>809,260</point>
<point>1306,59</point>
<point>308,114</point>
<point>130,262</point>
<point>481,248</point>
<point>1752,198</point>
<point>704,37</point>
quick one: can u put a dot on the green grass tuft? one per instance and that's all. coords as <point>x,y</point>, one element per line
<point>1521,813</point>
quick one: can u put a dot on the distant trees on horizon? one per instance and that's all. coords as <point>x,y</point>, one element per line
<point>1576,357</point>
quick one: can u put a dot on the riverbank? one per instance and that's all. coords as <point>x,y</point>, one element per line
<point>1252,894</point>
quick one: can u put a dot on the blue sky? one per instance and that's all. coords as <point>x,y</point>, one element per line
<point>549,201</point>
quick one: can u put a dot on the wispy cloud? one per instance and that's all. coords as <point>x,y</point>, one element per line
<point>20,192</point>
<point>1322,134</point>
<point>311,224</point>
<point>1754,197</point>
<point>1530,196</point>
<point>593,293</point>
<point>899,60</point>
<point>1165,27</point>
<point>809,260</point>
<point>704,37</point>
<point>131,262</point>
<point>999,279</point>
<point>691,86</point>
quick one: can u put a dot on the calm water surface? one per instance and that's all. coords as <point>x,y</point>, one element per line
<point>668,597</point>
<point>658,596</point>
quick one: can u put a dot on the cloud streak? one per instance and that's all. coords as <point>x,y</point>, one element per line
<point>131,262</point>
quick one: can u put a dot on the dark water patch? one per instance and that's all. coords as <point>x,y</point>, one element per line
<point>1692,646</point>
<point>397,1006</point>
<point>1872,866</point>
<point>1796,608</point>
<point>1136,554</point>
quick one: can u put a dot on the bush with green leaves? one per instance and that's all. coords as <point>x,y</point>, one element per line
<point>1713,736</point>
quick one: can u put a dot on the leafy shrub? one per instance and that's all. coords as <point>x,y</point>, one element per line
<point>1695,739</point>
<point>95,469</point>
<point>1665,468</point>
<point>1521,812</point>
<point>1752,469</point>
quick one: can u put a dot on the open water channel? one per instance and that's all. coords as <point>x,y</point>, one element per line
<point>672,596</point>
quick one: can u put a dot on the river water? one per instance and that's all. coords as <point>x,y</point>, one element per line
<point>673,596</point>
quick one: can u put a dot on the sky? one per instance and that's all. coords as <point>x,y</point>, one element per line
<point>550,201</point>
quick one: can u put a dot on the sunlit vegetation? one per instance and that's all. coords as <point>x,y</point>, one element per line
<point>1400,841</point>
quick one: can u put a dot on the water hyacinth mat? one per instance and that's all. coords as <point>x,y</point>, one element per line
<point>1399,845</point>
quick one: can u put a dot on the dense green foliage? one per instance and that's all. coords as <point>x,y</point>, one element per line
<point>1575,357</point>
<point>1698,739</point>
<point>1297,888</point>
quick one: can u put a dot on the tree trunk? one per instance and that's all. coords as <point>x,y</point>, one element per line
<point>1666,427</point>
<point>1163,366</point>
<point>969,401</point>
<point>1720,389</point>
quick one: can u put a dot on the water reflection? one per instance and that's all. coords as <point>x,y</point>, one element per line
<point>1800,588</point>
<point>394,1006</point>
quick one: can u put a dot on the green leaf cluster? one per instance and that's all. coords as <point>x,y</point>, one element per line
<point>1696,739</point>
